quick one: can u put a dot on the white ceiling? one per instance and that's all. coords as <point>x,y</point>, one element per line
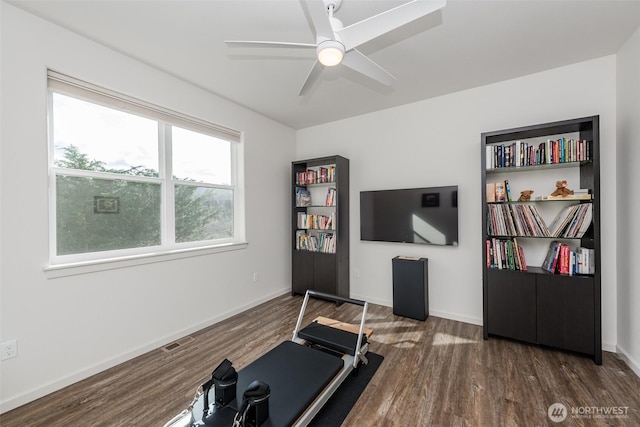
<point>467,44</point>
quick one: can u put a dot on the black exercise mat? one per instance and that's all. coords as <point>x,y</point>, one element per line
<point>338,407</point>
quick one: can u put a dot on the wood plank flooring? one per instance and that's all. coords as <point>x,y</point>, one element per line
<point>435,373</point>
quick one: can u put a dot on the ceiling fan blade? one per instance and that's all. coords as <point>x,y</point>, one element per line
<point>313,76</point>
<point>368,29</point>
<point>359,62</point>
<point>249,43</point>
<point>320,19</point>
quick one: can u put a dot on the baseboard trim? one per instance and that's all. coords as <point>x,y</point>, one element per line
<point>436,313</point>
<point>456,317</point>
<point>82,374</point>
<point>630,361</point>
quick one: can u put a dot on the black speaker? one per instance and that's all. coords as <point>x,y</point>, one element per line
<point>410,287</point>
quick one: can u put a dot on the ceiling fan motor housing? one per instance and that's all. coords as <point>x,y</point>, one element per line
<point>332,3</point>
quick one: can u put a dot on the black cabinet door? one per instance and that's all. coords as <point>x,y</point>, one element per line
<point>512,304</point>
<point>302,272</point>
<point>566,317</point>
<point>324,273</point>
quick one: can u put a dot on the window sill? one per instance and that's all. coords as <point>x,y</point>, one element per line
<point>72,269</point>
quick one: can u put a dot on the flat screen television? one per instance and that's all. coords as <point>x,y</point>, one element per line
<point>426,215</point>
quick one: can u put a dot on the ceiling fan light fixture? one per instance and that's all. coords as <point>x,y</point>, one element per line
<point>330,53</point>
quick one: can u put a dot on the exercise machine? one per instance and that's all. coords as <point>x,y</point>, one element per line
<point>289,384</point>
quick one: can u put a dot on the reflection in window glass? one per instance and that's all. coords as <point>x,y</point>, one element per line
<point>115,141</point>
<point>96,215</point>
<point>203,213</point>
<point>200,158</point>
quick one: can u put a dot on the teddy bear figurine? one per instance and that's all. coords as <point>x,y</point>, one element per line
<point>525,195</point>
<point>561,189</point>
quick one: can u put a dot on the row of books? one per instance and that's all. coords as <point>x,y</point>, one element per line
<point>316,221</point>
<point>505,254</point>
<point>319,175</point>
<point>498,192</point>
<point>303,197</point>
<point>572,222</point>
<point>316,242</point>
<point>520,153</point>
<point>562,259</point>
<point>515,220</point>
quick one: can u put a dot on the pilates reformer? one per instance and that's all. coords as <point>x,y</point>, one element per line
<point>288,385</point>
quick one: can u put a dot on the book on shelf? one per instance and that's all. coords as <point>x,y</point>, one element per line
<point>515,220</point>
<point>520,153</point>
<point>317,242</point>
<point>303,197</point>
<point>324,175</point>
<point>551,259</point>
<point>316,221</point>
<point>491,192</point>
<point>575,196</point>
<point>331,197</point>
<point>318,175</point>
<point>498,192</point>
<point>507,189</point>
<point>505,254</point>
<point>562,259</point>
<point>585,261</point>
<point>501,192</point>
<point>572,222</point>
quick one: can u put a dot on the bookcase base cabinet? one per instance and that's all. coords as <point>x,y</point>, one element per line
<point>543,308</point>
<point>565,313</point>
<point>316,272</point>
<point>511,311</point>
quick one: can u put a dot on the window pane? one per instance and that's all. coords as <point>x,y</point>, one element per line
<point>99,215</point>
<point>92,137</point>
<point>203,213</point>
<point>200,158</point>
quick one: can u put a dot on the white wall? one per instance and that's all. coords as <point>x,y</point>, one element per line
<point>68,328</point>
<point>628,127</point>
<point>437,142</point>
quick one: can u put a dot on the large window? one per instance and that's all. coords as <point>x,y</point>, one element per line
<point>129,178</point>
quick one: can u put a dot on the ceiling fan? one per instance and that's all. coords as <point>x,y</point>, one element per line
<point>336,44</point>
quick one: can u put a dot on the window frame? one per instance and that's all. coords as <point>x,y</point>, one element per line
<point>165,119</point>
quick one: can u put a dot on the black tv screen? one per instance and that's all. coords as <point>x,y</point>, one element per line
<point>426,215</point>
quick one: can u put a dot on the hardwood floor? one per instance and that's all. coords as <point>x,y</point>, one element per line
<point>438,372</point>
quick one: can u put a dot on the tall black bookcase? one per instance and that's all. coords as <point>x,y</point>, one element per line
<point>320,225</point>
<point>531,303</point>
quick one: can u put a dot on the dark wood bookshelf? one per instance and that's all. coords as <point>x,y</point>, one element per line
<point>314,269</point>
<point>536,306</point>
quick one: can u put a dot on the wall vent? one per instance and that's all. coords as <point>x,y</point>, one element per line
<point>177,344</point>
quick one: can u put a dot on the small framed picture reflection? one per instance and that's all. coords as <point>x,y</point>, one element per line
<point>106,205</point>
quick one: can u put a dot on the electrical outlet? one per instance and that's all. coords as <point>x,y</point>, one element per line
<point>356,272</point>
<point>9,349</point>
<point>255,278</point>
